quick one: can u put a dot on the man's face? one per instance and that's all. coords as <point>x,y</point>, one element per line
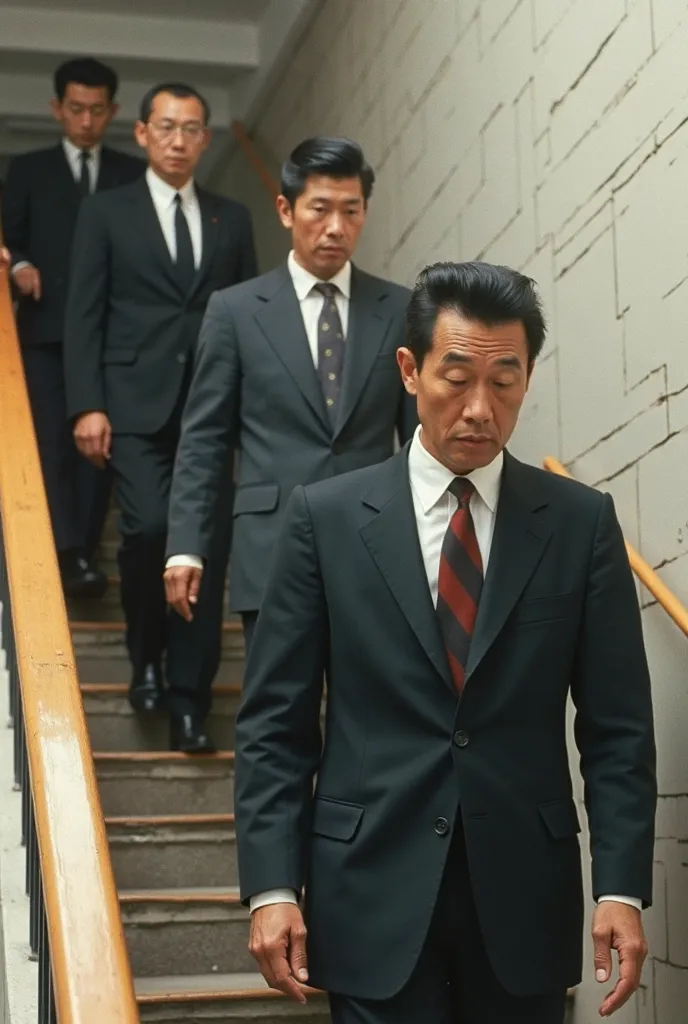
<point>325,222</point>
<point>174,137</point>
<point>84,114</point>
<point>470,389</point>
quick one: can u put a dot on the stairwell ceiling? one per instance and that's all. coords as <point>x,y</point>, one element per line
<point>229,49</point>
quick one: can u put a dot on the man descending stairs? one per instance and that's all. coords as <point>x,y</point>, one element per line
<point>171,828</point>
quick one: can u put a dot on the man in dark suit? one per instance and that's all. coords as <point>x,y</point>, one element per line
<point>453,598</point>
<point>147,259</point>
<point>40,203</point>
<point>297,368</point>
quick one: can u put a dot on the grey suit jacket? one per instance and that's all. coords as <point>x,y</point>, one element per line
<point>255,386</point>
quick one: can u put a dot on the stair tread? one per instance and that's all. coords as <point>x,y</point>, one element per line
<point>200,894</point>
<point>107,626</point>
<point>114,756</point>
<point>205,986</point>
<point>161,820</point>
<point>122,689</point>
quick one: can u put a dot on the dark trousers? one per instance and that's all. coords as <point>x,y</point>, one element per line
<point>453,981</point>
<point>248,620</point>
<point>142,467</point>
<point>78,494</point>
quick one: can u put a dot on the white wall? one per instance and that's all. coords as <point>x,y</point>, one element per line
<point>551,135</point>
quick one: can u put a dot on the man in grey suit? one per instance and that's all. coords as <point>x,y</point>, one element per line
<point>298,369</point>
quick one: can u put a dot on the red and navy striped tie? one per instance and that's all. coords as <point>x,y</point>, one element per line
<point>460,581</point>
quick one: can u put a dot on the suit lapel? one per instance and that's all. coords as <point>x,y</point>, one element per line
<point>210,225</point>
<point>64,179</point>
<point>521,535</point>
<point>107,171</point>
<point>148,226</point>
<point>281,322</point>
<point>392,540</point>
<point>368,325</point>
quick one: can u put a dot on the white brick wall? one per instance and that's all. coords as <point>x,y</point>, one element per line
<point>551,135</point>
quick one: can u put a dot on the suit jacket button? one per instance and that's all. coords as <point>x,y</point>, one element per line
<point>441,826</point>
<point>181,358</point>
<point>461,738</point>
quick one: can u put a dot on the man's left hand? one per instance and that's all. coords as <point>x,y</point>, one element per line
<point>620,927</point>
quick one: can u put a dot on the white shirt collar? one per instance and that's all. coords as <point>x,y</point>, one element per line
<point>164,194</point>
<point>73,153</point>
<point>430,479</point>
<point>304,281</point>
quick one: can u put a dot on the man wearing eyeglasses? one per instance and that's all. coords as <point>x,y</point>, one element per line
<point>40,203</point>
<point>147,258</point>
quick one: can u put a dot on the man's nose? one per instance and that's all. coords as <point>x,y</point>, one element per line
<point>335,225</point>
<point>478,406</point>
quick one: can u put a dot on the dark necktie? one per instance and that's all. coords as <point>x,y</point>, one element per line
<point>460,582</point>
<point>85,176</point>
<point>330,349</point>
<point>186,266</point>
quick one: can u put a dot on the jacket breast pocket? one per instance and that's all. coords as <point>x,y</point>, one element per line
<point>119,356</point>
<point>545,609</point>
<point>560,818</point>
<point>256,498</point>
<point>335,819</point>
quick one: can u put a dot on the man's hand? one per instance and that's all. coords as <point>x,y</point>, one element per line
<point>620,927</point>
<point>182,584</point>
<point>5,259</point>
<point>28,281</point>
<point>93,436</point>
<point>278,942</point>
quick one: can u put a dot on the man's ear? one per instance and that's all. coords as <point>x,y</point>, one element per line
<point>406,362</point>
<point>285,212</point>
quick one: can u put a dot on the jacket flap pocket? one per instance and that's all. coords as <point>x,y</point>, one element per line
<point>561,818</point>
<point>336,820</point>
<point>545,609</point>
<point>119,356</point>
<point>256,498</point>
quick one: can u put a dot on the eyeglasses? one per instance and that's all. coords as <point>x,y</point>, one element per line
<point>166,131</point>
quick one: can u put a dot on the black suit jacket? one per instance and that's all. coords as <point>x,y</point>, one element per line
<point>255,385</point>
<point>131,330</point>
<point>402,757</point>
<point>40,204</point>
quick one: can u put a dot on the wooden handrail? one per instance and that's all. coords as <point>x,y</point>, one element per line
<point>254,158</point>
<point>91,974</point>
<point>645,573</point>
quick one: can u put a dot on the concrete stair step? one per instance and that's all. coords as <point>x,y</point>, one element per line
<point>156,783</point>
<point>178,850</point>
<point>96,669</point>
<point>114,726</point>
<point>186,931</point>
<point>108,606</point>
<point>239,998</point>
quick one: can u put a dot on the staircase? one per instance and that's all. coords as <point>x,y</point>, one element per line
<point>170,824</point>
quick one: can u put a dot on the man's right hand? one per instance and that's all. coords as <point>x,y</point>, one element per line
<point>278,942</point>
<point>28,281</point>
<point>93,436</point>
<point>182,585</point>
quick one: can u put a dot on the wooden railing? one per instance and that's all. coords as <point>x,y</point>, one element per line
<point>645,573</point>
<point>76,931</point>
<point>249,150</point>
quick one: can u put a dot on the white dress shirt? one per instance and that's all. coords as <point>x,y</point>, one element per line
<point>73,156</point>
<point>163,196</point>
<point>434,506</point>
<point>311,303</point>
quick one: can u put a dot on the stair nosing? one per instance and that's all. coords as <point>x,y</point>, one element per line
<point>143,756</point>
<point>161,820</point>
<point>210,895</point>
<point>108,626</point>
<point>121,689</point>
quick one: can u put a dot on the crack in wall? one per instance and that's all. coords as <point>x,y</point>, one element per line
<point>588,67</point>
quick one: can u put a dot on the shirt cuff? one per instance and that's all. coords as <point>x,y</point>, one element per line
<point>190,561</point>
<point>270,896</point>
<point>630,901</point>
<point>20,266</point>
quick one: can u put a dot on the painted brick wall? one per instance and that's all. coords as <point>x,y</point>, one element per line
<point>551,135</point>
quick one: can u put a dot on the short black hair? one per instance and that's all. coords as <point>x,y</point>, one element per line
<point>332,156</point>
<point>178,89</point>
<point>482,292</point>
<point>85,71</point>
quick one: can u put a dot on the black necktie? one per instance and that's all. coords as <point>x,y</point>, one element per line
<point>85,176</point>
<point>186,266</point>
<point>330,349</point>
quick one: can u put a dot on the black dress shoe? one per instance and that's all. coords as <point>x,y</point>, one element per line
<point>147,693</point>
<point>80,576</point>
<point>188,735</point>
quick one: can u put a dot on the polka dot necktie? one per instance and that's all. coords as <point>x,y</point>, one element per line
<point>331,344</point>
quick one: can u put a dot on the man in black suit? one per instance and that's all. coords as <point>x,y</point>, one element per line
<point>453,598</point>
<point>40,203</point>
<point>298,369</point>
<point>147,259</point>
